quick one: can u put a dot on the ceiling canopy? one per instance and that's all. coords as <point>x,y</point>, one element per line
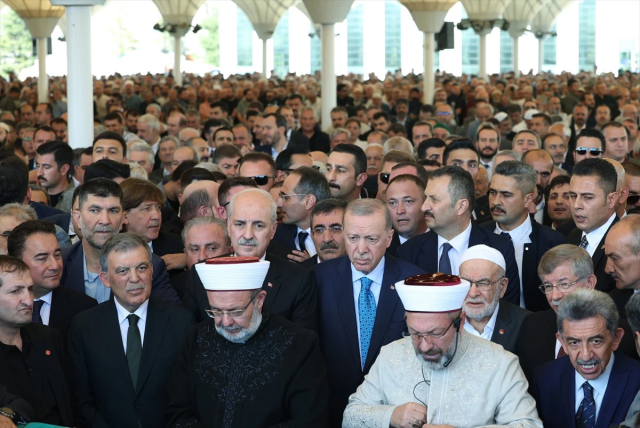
<point>35,8</point>
<point>264,14</point>
<point>180,12</point>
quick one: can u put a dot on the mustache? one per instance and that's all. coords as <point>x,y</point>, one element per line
<point>363,257</point>
<point>104,229</point>
<point>334,186</point>
<point>556,302</point>
<point>475,300</point>
<point>331,245</point>
<point>133,287</point>
<point>498,208</point>
<point>429,214</point>
<point>41,178</point>
<point>248,242</point>
<point>587,362</point>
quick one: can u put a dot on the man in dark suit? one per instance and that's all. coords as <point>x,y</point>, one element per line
<point>274,136</point>
<point>31,355</point>
<point>122,352</point>
<point>593,204</point>
<point>487,316</point>
<point>405,196</point>
<point>34,242</point>
<point>291,292</point>
<point>623,262</point>
<point>592,387</point>
<point>450,197</point>
<point>326,231</point>
<point>562,269</point>
<point>359,308</point>
<point>318,140</point>
<point>511,195</point>
<point>100,217</point>
<point>347,171</point>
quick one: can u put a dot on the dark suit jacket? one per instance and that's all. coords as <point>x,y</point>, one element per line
<point>338,330</point>
<point>319,142</point>
<point>44,211</point>
<point>61,220</point>
<point>19,405</point>
<point>605,281</point>
<point>422,251</point>
<point>392,249</point>
<point>620,298</point>
<point>481,210</point>
<point>291,293</point>
<point>567,227</point>
<point>65,305</point>
<point>537,341</point>
<point>73,274</point>
<point>157,175</point>
<point>554,390</point>
<point>167,243</point>
<point>286,235</point>
<point>279,249</point>
<point>310,262</point>
<point>542,238</point>
<point>98,370</point>
<point>508,323</point>
<point>45,339</point>
<point>296,139</point>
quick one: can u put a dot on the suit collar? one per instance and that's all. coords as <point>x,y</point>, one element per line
<point>157,320</point>
<point>272,282</point>
<point>343,291</point>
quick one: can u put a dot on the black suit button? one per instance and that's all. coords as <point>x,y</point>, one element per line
<point>138,406</point>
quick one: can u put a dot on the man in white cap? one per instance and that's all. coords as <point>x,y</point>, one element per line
<point>245,366</point>
<point>440,375</point>
<point>488,317</point>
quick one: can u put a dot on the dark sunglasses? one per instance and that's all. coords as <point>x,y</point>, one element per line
<point>633,199</point>
<point>583,151</point>
<point>384,177</point>
<point>261,180</point>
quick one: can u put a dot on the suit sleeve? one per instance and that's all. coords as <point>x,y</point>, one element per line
<point>190,298</point>
<point>305,312</point>
<point>512,295</point>
<point>181,408</point>
<point>161,287</point>
<point>19,405</point>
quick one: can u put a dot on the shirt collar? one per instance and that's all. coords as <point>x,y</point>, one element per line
<point>375,275</point>
<point>595,236</point>
<point>141,312</point>
<point>459,241</point>
<point>46,298</point>
<point>88,276</point>
<point>519,232</point>
<point>303,230</point>
<point>599,384</point>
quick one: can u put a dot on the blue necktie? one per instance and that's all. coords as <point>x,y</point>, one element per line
<point>506,235</point>
<point>35,316</point>
<point>367,314</point>
<point>444,266</point>
<point>586,416</point>
<point>302,236</point>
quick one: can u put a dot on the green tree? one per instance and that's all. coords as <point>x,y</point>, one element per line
<point>16,49</point>
<point>210,39</point>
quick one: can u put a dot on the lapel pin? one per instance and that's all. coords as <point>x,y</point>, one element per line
<point>501,331</point>
<point>392,287</point>
<point>47,352</point>
<point>602,248</point>
<point>481,212</point>
<point>271,285</point>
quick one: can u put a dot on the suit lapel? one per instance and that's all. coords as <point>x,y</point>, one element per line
<point>112,339</point>
<point>58,309</point>
<point>529,265</point>
<point>567,386</point>
<point>478,235</point>
<point>157,320</point>
<point>429,252</point>
<point>503,324</point>
<point>75,275</point>
<point>272,281</point>
<point>616,388</point>
<point>343,290</point>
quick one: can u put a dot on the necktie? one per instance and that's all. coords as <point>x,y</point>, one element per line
<point>584,242</point>
<point>586,415</point>
<point>134,348</point>
<point>35,317</point>
<point>367,314</point>
<point>302,236</point>
<point>506,235</point>
<point>444,266</point>
<point>561,353</point>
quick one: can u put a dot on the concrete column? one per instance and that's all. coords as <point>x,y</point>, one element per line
<point>264,58</point>
<point>516,62</point>
<point>482,71</point>
<point>179,33</point>
<point>540,53</point>
<point>329,89</point>
<point>43,79</point>
<point>428,76</point>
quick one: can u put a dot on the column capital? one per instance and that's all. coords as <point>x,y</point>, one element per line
<point>68,3</point>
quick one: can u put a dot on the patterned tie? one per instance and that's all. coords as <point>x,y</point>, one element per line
<point>506,235</point>
<point>444,266</point>
<point>134,348</point>
<point>561,353</point>
<point>367,314</point>
<point>586,415</point>
<point>37,306</point>
<point>584,242</point>
<point>302,236</point>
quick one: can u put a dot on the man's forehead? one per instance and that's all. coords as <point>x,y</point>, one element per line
<point>590,142</point>
<point>334,216</point>
<point>204,233</point>
<point>109,201</point>
<point>462,154</point>
<point>107,144</point>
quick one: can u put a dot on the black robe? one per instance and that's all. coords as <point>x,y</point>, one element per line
<point>277,378</point>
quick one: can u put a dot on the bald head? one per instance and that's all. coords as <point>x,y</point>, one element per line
<point>620,171</point>
<point>542,162</point>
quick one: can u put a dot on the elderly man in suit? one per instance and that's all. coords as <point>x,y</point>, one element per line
<point>123,351</point>
<point>359,308</point>
<point>593,386</point>
<point>487,316</point>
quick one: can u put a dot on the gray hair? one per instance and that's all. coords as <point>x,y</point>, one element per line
<point>21,212</point>
<point>339,131</point>
<point>273,215</point>
<point>205,221</point>
<point>141,146</point>
<point>211,167</point>
<point>525,175</point>
<point>633,312</point>
<point>151,121</point>
<point>398,143</point>
<point>583,304</point>
<point>633,223</point>
<point>510,153</point>
<point>185,130</point>
<point>155,106</point>
<point>136,171</point>
<point>121,242</point>
<point>574,256</point>
<point>170,138</point>
<point>366,207</point>
<point>191,204</point>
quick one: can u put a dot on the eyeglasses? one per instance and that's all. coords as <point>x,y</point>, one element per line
<point>334,230</point>
<point>483,284</point>
<point>564,287</point>
<point>583,151</point>
<point>285,197</point>
<point>261,180</point>
<point>384,177</point>
<point>237,314</point>
<point>443,113</point>
<point>633,199</point>
<point>433,336</point>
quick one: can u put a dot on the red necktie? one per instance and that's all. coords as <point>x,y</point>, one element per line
<point>561,352</point>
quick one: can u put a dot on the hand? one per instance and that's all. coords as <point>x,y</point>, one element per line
<point>175,261</point>
<point>406,415</point>
<point>437,426</point>
<point>5,422</point>
<point>298,256</point>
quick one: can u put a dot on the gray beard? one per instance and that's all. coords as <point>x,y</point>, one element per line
<point>446,356</point>
<point>245,333</point>
<point>487,311</point>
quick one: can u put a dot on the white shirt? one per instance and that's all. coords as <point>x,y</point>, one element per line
<point>595,236</point>
<point>599,387</point>
<point>488,329</point>
<point>519,237</point>
<point>141,312</point>
<point>308,242</point>
<point>155,146</point>
<point>460,244</point>
<point>539,215</point>
<point>45,311</point>
<point>376,285</point>
<point>402,239</point>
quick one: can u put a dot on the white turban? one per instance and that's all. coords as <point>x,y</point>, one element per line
<point>484,252</point>
<point>222,275</point>
<point>434,297</point>
<point>529,114</point>
<point>500,116</point>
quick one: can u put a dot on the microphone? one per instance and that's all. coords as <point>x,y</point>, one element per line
<point>456,324</point>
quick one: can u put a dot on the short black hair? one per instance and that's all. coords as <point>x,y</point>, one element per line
<point>558,180</point>
<point>114,115</point>
<point>212,123</point>
<point>592,133</point>
<point>14,180</point>
<point>402,101</point>
<point>398,128</point>
<point>546,119</point>
<point>49,108</point>
<point>107,168</point>
<point>327,207</point>
<point>180,169</point>
<point>312,182</point>
<point>100,187</point>
<point>359,157</point>
<point>381,114</point>
<point>62,153</point>
<point>596,167</point>
<point>461,185</point>
<point>43,128</point>
<point>283,161</point>
<point>281,122</point>
<point>226,151</point>
<point>110,135</point>
<point>258,157</point>
<point>459,144</point>
<point>222,104</point>
<point>223,128</point>
<point>16,243</point>
<point>232,182</point>
<point>428,144</point>
<point>195,174</point>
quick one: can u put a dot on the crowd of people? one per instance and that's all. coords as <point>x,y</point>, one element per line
<point>217,256</point>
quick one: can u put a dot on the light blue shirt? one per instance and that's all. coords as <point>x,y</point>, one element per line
<point>93,287</point>
<point>599,387</point>
<point>376,285</point>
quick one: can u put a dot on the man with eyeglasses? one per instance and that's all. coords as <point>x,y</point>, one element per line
<point>590,143</point>
<point>486,316</point>
<point>562,269</point>
<point>245,365</point>
<point>359,309</point>
<point>291,159</point>
<point>437,375</point>
<point>259,166</point>
<point>326,231</point>
<point>511,195</point>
